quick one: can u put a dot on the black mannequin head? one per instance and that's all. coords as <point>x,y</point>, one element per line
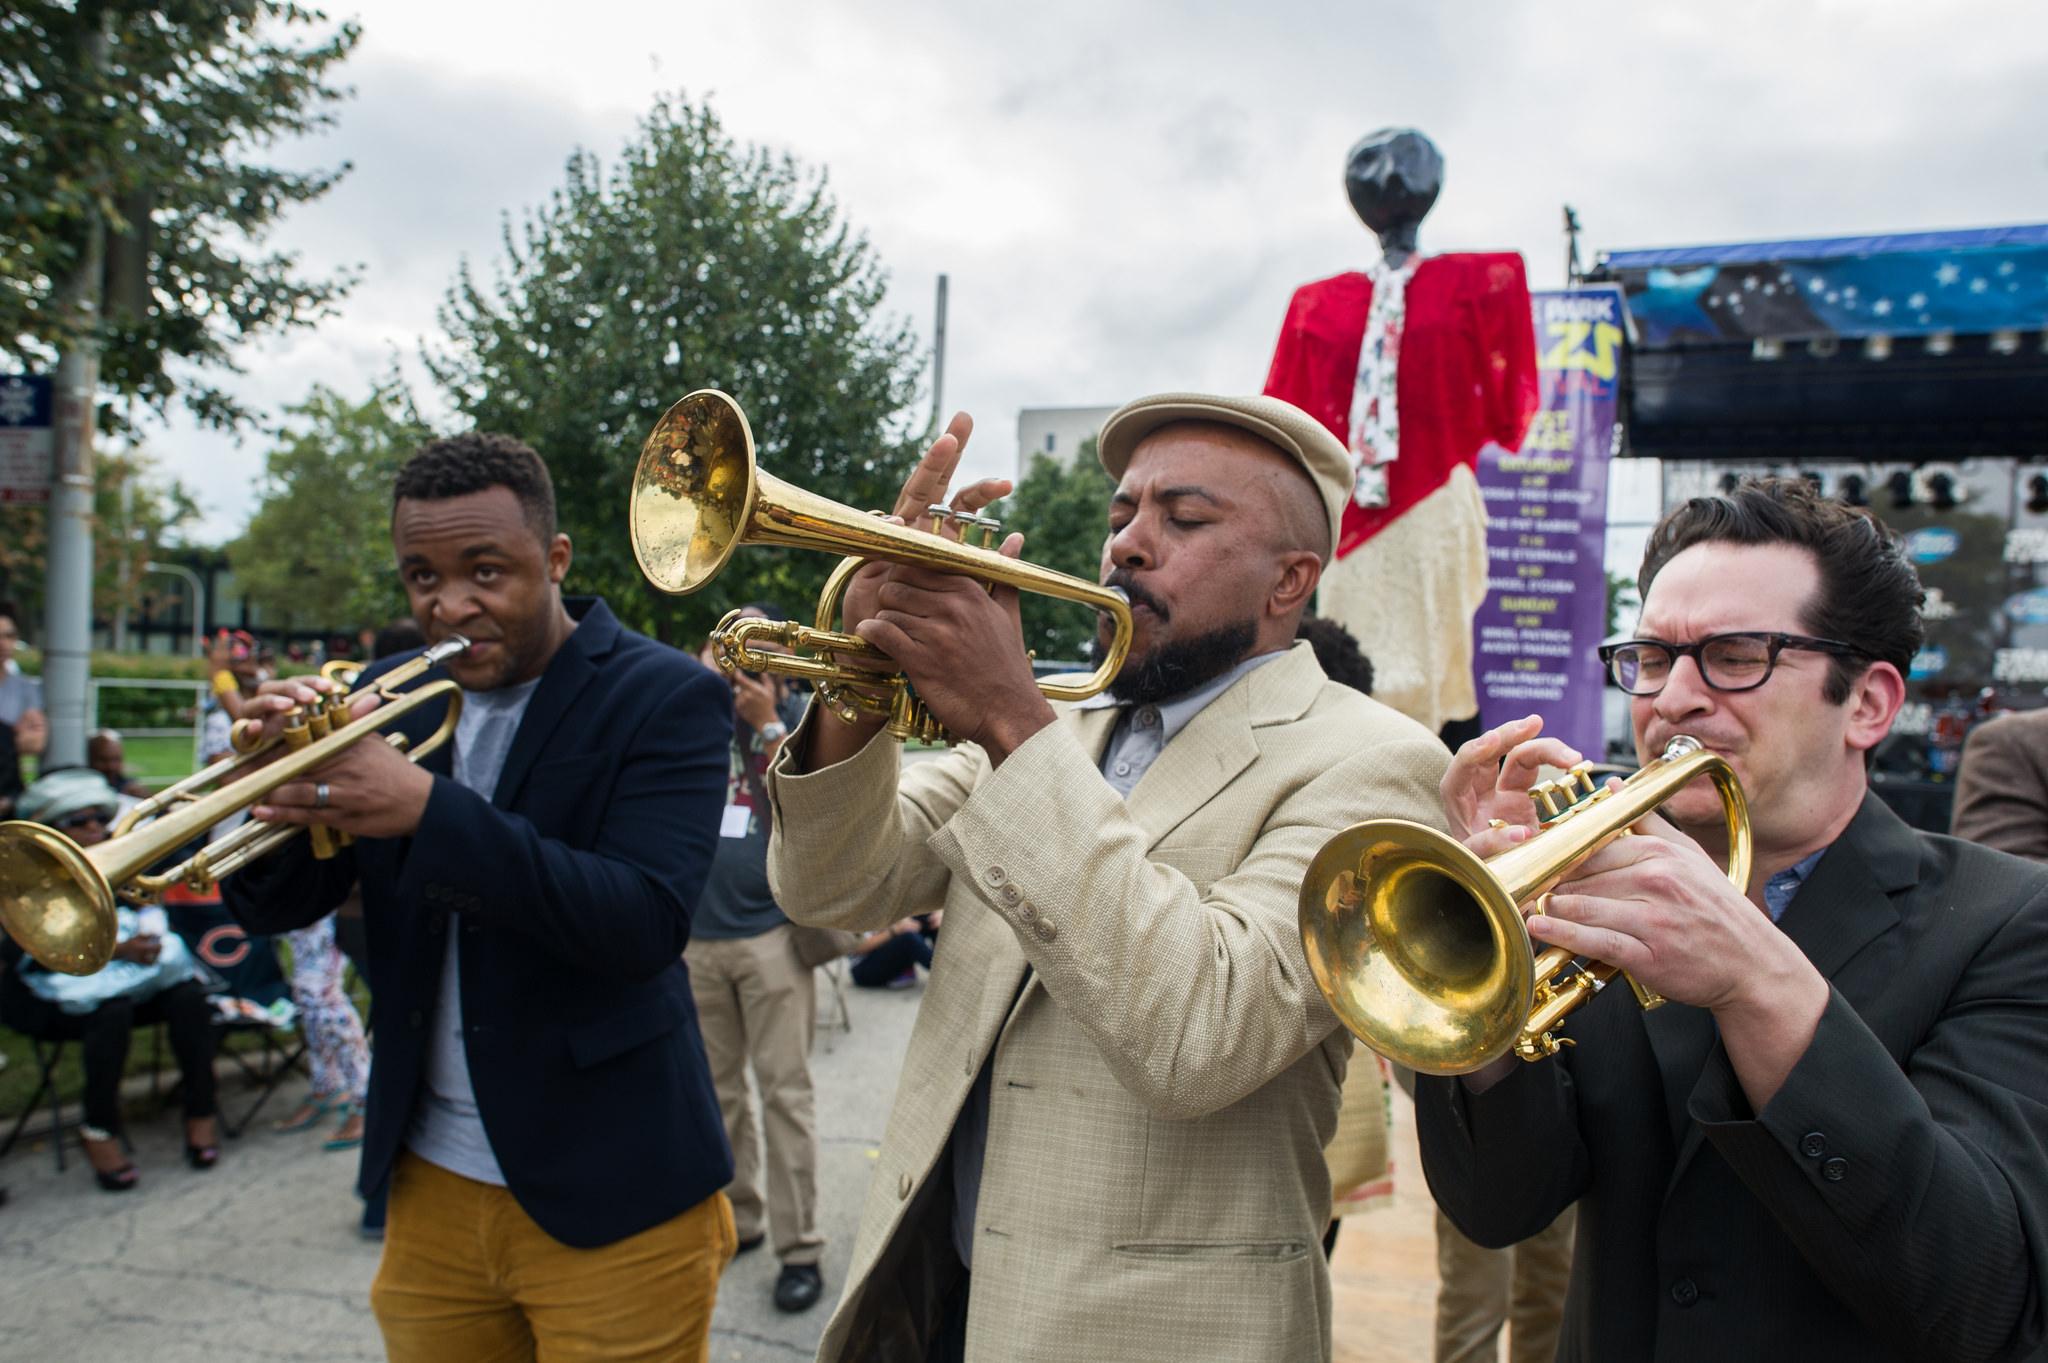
<point>1393,177</point>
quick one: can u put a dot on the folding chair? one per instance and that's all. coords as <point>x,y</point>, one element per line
<point>834,1000</point>
<point>249,973</point>
<point>49,1053</point>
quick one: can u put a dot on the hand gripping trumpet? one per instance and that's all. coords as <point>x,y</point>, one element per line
<point>1419,945</point>
<point>698,495</point>
<point>57,898</point>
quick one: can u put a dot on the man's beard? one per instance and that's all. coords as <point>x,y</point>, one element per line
<point>1178,666</point>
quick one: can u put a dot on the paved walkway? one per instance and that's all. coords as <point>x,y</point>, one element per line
<point>258,1261</point>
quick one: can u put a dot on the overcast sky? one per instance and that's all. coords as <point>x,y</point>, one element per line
<point>1124,195</point>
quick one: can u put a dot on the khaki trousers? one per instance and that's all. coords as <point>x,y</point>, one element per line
<point>1479,1290</point>
<point>757,1004</point>
<point>467,1275</point>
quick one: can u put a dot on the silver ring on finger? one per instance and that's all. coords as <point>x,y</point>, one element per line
<point>320,793</point>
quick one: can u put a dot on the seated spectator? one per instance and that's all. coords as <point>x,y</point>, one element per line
<point>105,754</point>
<point>152,978</point>
<point>889,959</point>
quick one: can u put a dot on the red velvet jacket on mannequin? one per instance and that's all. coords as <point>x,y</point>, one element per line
<point>1467,376</point>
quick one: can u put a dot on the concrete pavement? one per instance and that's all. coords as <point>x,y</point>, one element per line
<point>258,1261</point>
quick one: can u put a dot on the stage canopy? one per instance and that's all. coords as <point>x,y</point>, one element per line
<point>1924,345</point>
<point>1913,284</point>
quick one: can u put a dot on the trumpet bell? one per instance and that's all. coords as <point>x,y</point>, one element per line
<point>1420,948</point>
<point>53,901</point>
<point>693,492</point>
<point>1388,922</point>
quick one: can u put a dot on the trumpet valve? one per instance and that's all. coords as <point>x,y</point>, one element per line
<point>965,523</point>
<point>1555,799</point>
<point>1541,1046</point>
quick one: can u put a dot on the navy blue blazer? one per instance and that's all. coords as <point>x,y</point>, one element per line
<point>572,889</point>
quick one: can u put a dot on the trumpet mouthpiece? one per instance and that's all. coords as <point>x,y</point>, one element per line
<point>448,648</point>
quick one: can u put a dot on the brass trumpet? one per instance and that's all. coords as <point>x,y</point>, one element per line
<point>698,494</point>
<point>1420,948</point>
<point>57,898</point>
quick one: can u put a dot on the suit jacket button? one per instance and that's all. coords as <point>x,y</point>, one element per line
<point>996,875</point>
<point>1011,895</point>
<point>1685,1292</point>
<point>1813,1145</point>
<point>1027,911</point>
<point>1834,1170</point>
<point>902,1186</point>
<point>1047,929</point>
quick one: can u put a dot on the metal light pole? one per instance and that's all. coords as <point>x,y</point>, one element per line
<point>938,366</point>
<point>198,599</point>
<point>67,600</point>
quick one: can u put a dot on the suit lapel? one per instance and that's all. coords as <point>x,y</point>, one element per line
<point>1680,1036</point>
<point>1002,977</point>
<point>1845,904</point>
<point>1092,728</point>
<point>568,673</point>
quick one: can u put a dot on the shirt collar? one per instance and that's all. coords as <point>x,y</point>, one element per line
<point>1176,714</point>
<point>1780,888</point>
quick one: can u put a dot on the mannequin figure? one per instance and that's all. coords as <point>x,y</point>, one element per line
<point>1392,178</point>
<point>1415,365</point>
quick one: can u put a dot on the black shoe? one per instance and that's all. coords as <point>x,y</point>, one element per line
<point>117,1180</point>
<point>750,1244</point>
<point>798,1287</point>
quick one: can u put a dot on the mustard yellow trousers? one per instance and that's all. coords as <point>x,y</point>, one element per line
<point>467,1275</point>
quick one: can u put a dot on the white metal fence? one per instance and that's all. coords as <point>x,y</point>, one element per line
<point>197,690</point>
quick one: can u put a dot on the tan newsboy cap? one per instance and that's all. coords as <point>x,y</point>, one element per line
<point>1283,424</point>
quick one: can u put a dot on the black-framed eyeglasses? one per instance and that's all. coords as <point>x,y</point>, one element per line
<point>1740,661</point>
<point>83,817</point>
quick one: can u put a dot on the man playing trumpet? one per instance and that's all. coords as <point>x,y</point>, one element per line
<point>540,1110</point>
<point>1833,1142</point>
<point>1108,1139</point>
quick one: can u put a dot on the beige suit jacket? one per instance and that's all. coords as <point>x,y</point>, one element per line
<point>2002,788</point>
<point>1164,1083</point>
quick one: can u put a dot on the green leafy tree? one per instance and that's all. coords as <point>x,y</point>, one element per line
<point>692,262</point>
<point>125,130</point>
<point>317,550</point>
<point>139,515</point>
<point>1062,510</point>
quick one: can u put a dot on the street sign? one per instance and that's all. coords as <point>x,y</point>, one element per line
<point>28,446</point>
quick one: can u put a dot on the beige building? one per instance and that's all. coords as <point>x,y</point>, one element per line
<point>1057,432</point>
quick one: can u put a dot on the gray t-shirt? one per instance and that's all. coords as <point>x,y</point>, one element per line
<point>446,1128</point>
<point>736,901</point>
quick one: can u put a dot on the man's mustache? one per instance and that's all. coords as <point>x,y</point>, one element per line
<point>1124,579</point>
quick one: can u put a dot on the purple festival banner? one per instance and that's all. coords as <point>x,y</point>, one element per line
<point>1534,639</point>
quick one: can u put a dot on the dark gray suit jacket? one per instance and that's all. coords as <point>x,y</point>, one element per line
<point>1891,1202</point>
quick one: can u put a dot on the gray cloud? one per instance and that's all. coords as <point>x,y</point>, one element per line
<point>1125,196</point>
